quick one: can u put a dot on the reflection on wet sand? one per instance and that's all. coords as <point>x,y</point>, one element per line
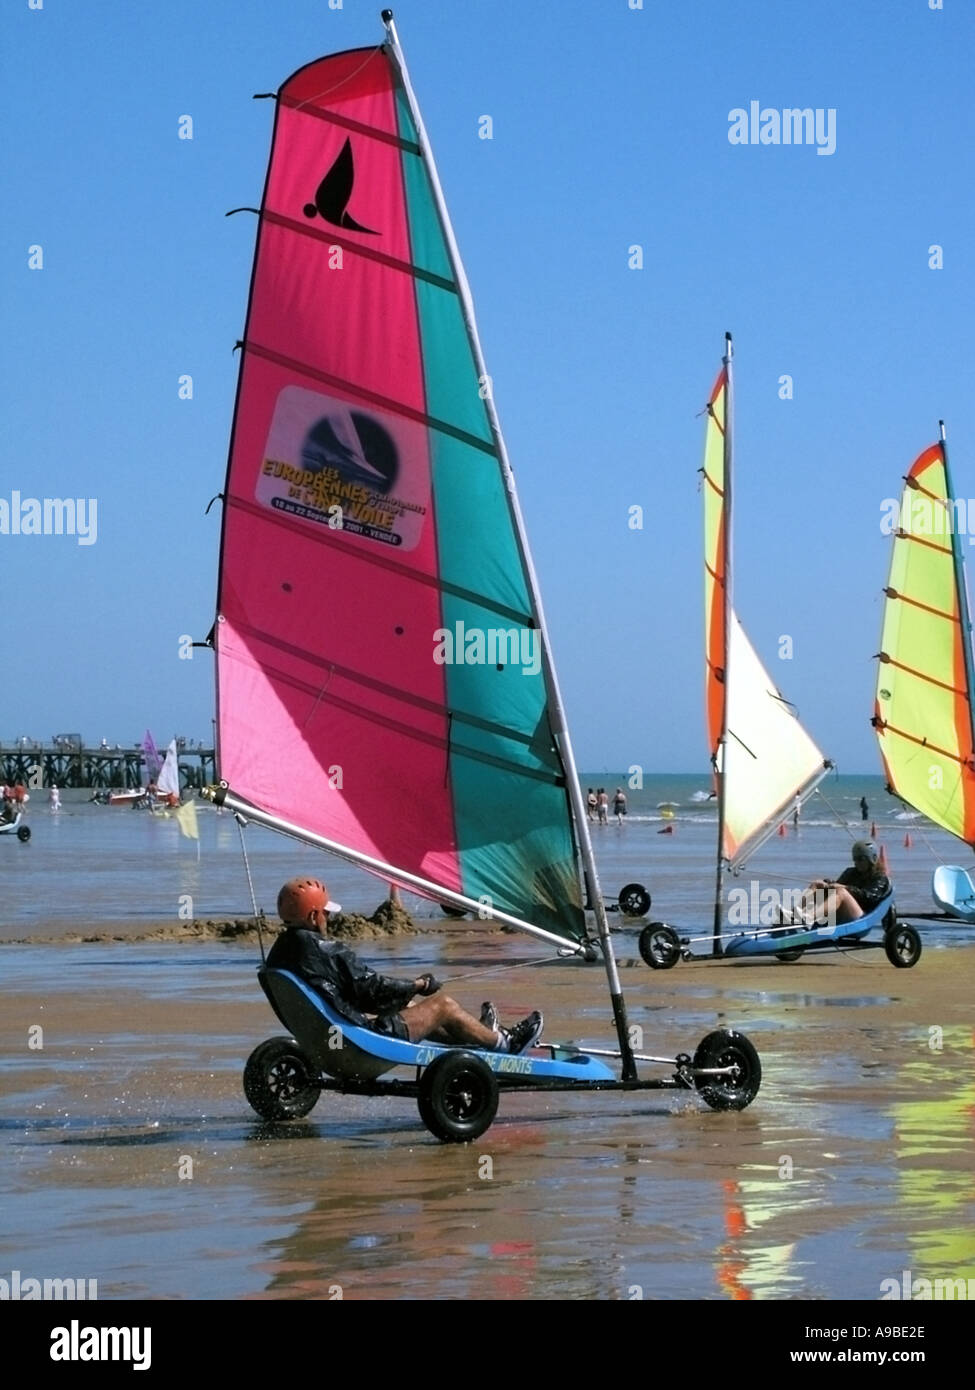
<point>854,1163</point>
<point>934,1138</point>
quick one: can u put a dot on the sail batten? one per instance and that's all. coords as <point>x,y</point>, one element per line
<point>395,407</point>
<point>373,132</point>
<point>354,249</point>
<point>923,706</point>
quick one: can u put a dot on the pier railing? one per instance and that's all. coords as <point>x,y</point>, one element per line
<point>43,765</point>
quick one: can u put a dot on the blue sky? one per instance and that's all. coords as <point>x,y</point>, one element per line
<point>610,129</point>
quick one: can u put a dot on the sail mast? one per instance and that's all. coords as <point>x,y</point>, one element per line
<point>726,629</point>
<point>559,727</point>
<point>961,586</point>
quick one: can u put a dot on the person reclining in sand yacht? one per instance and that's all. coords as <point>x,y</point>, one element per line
<point>857,891</point>
<point>379,1002</point>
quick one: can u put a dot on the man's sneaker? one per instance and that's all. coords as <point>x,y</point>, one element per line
<point>526,1033</point>
<point>489,1016</point>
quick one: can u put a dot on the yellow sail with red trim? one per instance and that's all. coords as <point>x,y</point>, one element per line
<point>763,758</point>
<point>923,712</point>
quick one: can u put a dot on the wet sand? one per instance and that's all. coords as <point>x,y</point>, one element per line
<point>134,1159</point>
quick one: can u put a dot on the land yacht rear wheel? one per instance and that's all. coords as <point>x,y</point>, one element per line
<point>279,1080</point>
<point>903,946</point>
<point>458,1097</point>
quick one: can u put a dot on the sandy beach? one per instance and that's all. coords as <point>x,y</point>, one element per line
<point>134,1159</point>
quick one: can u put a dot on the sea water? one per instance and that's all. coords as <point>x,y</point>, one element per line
<point>95,866</point>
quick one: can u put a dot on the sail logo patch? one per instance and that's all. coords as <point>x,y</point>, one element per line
<point>334,193</point>
<point>359,471</point>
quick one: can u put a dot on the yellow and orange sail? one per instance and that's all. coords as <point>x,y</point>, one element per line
<point>762,756</point>
<point>923,711</point>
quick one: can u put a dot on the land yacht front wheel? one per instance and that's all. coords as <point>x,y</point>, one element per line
<point>279,1080</point>
<point>634,900</point>
<point>728,1070</point>
<point>660,946</point>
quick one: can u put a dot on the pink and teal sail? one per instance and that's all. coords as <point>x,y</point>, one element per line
<point>382,676</point>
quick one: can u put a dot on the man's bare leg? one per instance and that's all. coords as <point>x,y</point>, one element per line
<point>827,903</point>
<point>847,909</point>
<point>444,1017</point>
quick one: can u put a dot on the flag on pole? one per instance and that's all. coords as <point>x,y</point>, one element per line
<point>186,818</point>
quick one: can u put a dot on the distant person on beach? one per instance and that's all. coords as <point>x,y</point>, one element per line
<point>857,891</point>
<point>602,801</point>
<point>619,804</point>
<point>374,1001</point>
<point>55,798</point>
<point>864,809</point>
<point>591,804</point>
<point>796,808</point>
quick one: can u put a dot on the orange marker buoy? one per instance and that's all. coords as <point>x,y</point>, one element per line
<point>667,830</point>
<point>873,830</point>
<point>782,831</point>
<point>883,860</point>
<point>907,840</point>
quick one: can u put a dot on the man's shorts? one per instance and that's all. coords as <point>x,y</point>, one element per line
<point>391,1026</point>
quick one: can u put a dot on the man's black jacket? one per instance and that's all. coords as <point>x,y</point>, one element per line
<point>349,986</point>
<point>867,888</point>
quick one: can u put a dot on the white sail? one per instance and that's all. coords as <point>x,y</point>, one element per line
<point>768,758</point>
<point>167,784</point>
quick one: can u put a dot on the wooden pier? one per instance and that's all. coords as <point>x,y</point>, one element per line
<point>36,765</point>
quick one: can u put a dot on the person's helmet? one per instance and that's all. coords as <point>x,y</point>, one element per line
<point>866,849</point>
<point>299,897</point>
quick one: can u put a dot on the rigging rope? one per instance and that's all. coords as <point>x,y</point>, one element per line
<point>497,969</point>
<point>250,884</point>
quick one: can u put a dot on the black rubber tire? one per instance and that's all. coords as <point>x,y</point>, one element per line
<point>634,900</point>
<point>723,1049</point>
<point>788,956</point>
<point>660,946</point>
<point>903,946</point>
<point>23,833</point>
<point>279,1080</point>
<point>449,910</point>
<point>458,1097</point>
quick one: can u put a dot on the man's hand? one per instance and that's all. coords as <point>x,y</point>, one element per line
<point>427,985</point>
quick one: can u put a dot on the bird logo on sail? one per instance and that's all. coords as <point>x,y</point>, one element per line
<point>354,446</point>
<point>334,192</point>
